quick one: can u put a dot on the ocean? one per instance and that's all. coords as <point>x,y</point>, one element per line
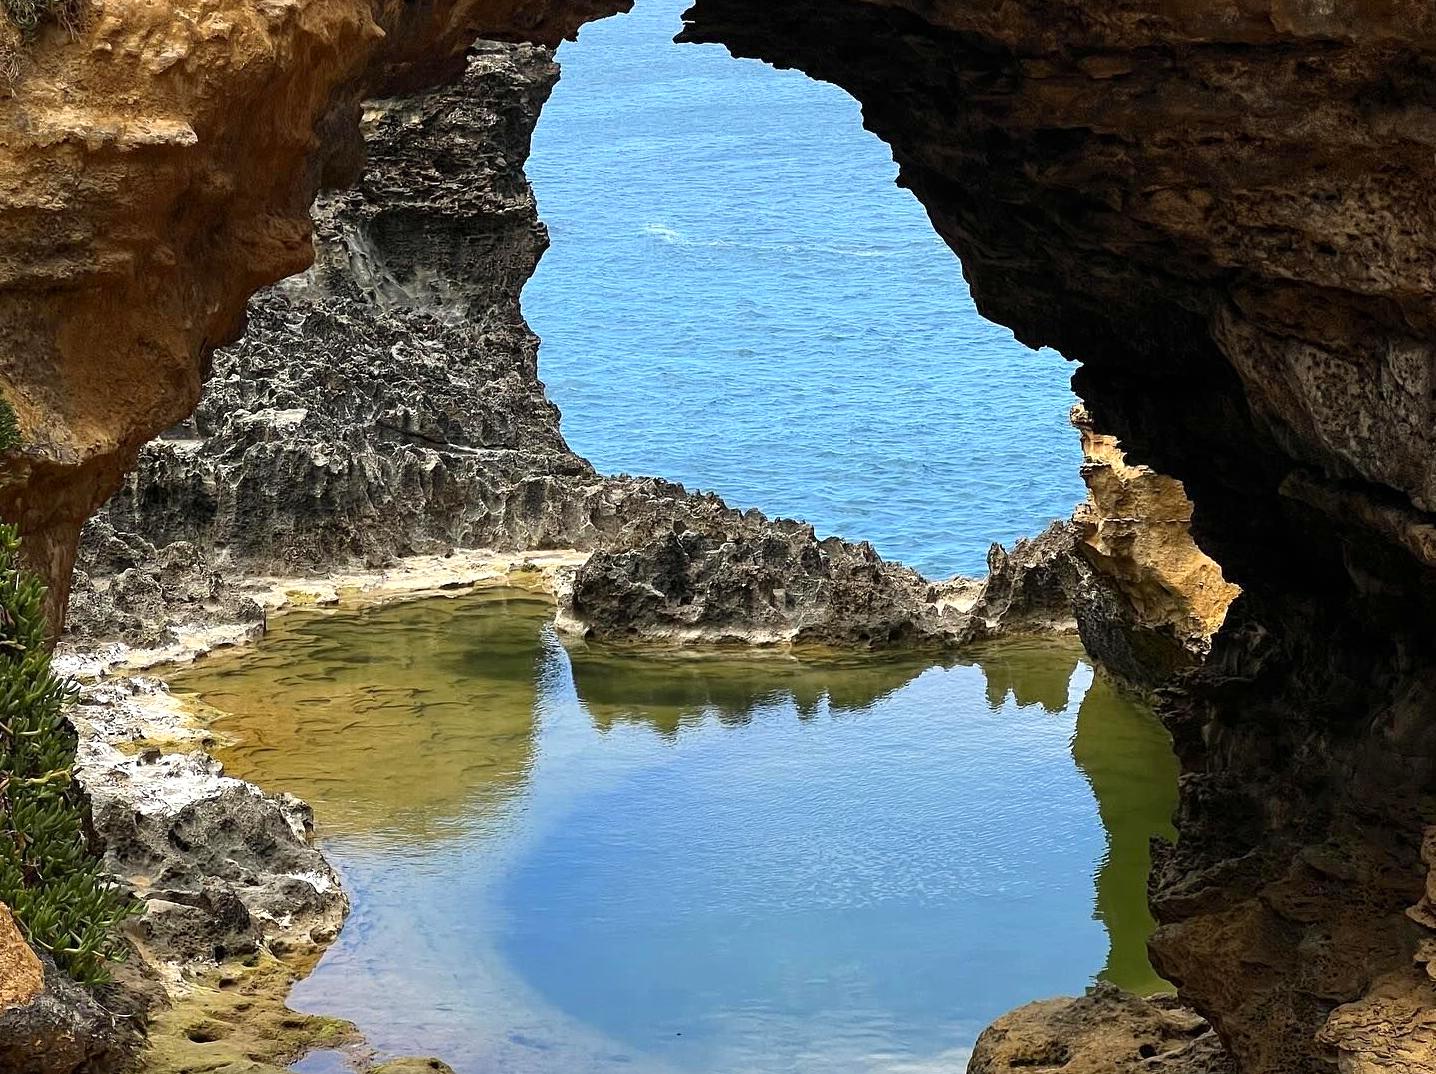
<point>740,297</point>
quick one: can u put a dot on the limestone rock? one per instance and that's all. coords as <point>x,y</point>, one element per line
<point>1106,1031</point>
<point>22,977</point>
<point>220,866</point>
<point>757,582</point>
<point>63,1029</point>
<point>1135,530</point>
<point>1221,210</point>
<point>387,403</point>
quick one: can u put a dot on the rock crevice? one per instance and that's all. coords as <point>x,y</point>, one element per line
<point>1222,211</point>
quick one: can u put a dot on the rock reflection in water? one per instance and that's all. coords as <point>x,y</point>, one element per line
<point>673,689</point>
<point>391,722</point>
<point>603,859</point>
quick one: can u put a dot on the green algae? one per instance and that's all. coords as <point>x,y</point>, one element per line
<point>1126,755</point>
<point>233,1019</point>
<point>406,724</point>
<point>382,737</point>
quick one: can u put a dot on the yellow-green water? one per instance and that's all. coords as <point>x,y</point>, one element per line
<point>592,859</point>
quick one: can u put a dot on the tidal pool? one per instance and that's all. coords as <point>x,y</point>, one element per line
<point>594,859</point>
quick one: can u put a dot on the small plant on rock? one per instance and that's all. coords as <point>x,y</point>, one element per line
<point>49,877</point>
<point>21,21</point>
<point>29,15</point>
<point>9,428</point>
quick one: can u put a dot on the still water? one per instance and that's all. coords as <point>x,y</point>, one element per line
<point>587,859</point>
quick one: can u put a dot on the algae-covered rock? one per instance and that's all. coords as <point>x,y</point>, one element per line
<point>413,1066</point>
<point>232,1019</point>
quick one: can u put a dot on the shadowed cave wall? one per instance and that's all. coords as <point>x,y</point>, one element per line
<point>1223,211</point>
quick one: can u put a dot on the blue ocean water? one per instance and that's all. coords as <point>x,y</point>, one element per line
<point>740,298</point>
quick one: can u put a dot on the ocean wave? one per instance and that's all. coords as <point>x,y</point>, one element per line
<point>672,237</point>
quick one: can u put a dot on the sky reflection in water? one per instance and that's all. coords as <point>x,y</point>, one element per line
<point>602,860</point>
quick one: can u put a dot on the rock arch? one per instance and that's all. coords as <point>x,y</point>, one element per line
<point>1224,211</point>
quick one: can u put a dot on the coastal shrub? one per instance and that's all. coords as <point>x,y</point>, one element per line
<point>28,16</point>
<point>9,428</point>
<point>20,21</point>
<point>49,877</point>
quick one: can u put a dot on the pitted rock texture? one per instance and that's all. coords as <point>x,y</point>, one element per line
<point>220,866</point>
<point>1107,1031</point>
<point>1221,210</point>
<point>156,168</point>
<point>757,582</point>
<point>51,1025</point>
<point>1135,530</point>
<point>387,403</point>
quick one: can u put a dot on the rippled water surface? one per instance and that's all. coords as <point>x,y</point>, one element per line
<point>599,860</point>
<point>574,860</point>
<point>739,297</point>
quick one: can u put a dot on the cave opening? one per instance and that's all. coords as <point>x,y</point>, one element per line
<point>638,875</point>
<point>1224,214</point>
<point>740,297</point>
<point>649,861</point>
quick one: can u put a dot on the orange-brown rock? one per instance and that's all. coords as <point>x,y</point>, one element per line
<point>155,170</point>
<point>1135,528</point>
<point>1106,1031</point>
<point>22,978</point>
<point>1222,209</point>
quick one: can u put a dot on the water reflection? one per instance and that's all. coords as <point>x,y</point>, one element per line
<point>1127,758</point>
<point>393,723</point>
<point>603,859</point>
<point>1030,672</point>
<point>672,689</point>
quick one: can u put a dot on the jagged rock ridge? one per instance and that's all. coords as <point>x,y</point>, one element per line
<point>1221,211</point>
<point>387,403</point>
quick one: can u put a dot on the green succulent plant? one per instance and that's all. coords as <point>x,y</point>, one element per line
<point>49,876</point>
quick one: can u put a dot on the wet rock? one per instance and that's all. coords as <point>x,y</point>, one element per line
<point>220,866</point>
<point>413,1066</point>
<point>1106,1031</point>
<point>233,1018</point>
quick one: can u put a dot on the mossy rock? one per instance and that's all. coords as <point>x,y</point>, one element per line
<point>235,1021</point>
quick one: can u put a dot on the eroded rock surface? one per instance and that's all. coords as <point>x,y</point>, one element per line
<point>387,403</point>
<point>1167,597</point>
<point>220,866</point>
<point>1222,211</point>
<point>156,168</point>
<point>1107,1031</point>
<point>51,1025</point>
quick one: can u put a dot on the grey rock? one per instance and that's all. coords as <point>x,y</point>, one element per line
<point>387,403</point>
<point>220,866</point>
<point>69,1030</point>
